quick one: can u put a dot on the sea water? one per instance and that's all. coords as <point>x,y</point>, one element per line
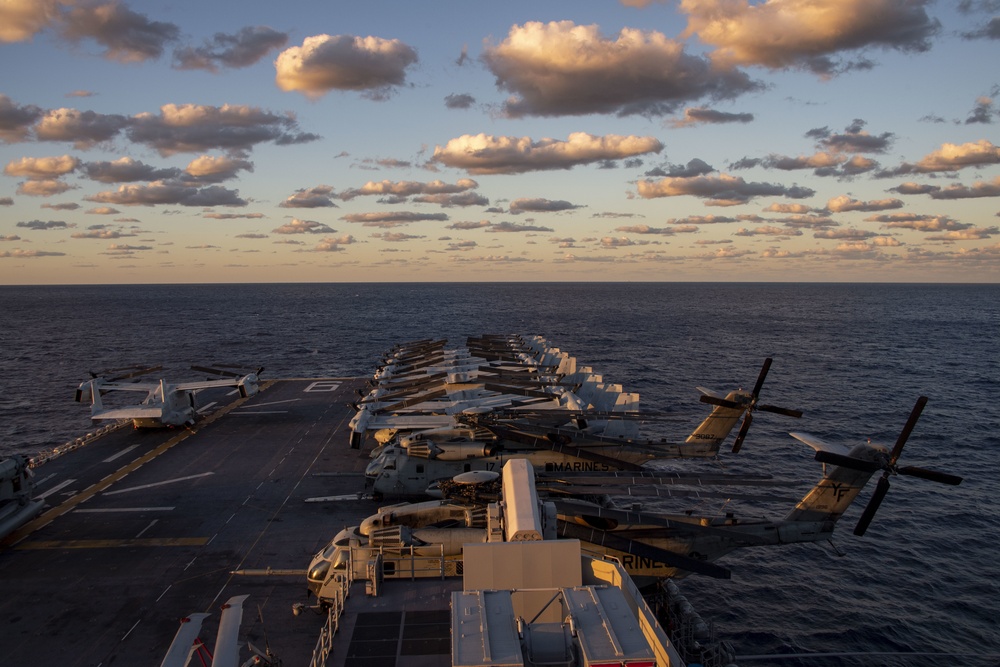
<point>854,358</point>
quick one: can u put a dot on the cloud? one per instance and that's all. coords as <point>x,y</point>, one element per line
<point>20,20</point>
<point>126,36</point>
<point>405,189</point>
<point>333,244</point>
<point>541,206</point>
<point>233,216</point>
<point>514,227</point>
<point>344,62</point>
<point>315,197</point>
<point>459,101</point>
<point>978,189</point>
<point>952,157</point>
<point>701,115</point>
<point>854,139</point>
<point>41,168</point>
<point>67,206</point>
<point>560,69</point>
<point>921,223</point>
<point>806,34</point>
<point>39,225</point>
<point>43,187</point>
<point>102,233</point>
<point>16,120</point>
<point>392,219</point>
<point>84,128</point>
<point>166,192</point>
<point>841,234</point>
<point>215,169</point>
<point>191,128</point>
<point>26,254</point>
<point>486,154</point>
<point>468,225</point>
<point>297,226</point>
<point>970,234</point>
<point>843,203</point>
<point>126,170</point>
<point>448,200</point>
<point>768,231</point>
<point>720,190</point>
<point>243,49</point>
<point>396,237</point>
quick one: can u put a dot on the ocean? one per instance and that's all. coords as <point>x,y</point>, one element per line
<point>853,357</point>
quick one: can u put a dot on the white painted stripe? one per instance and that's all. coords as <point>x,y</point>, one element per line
<point>149,486</point>
<point>121,453</point>
<point>151,524</point>
<point>259,412</point>
<point>205,408</point>
<point>57,487</point>
<point>108,510</point>
<point>287,400</point>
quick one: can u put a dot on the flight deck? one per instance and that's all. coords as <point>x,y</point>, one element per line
<point>142,528</point>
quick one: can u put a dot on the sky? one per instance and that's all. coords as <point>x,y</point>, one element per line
<point>174,141</point>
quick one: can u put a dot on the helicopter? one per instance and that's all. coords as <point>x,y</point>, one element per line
<point>651,545</point>
<point>408,465</point>
<point>166,404</point>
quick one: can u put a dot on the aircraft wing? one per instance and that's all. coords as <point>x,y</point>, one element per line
<point>820,445</point>
<point>144,387</point>
<point>133,412</point>
<point>206,384</point>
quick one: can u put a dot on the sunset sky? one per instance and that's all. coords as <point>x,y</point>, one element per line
<point>173,141</point>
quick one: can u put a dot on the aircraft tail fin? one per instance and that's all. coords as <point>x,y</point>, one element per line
<point>717,426</point>
<point>834,493</point>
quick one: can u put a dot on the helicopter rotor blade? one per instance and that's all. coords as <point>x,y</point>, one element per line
<point>744,428</point>
<point>907,430</point>
<point>636,548</point>
<point>873,505</point>
<point>932,475</point>
<point>761,377</point>
<point>847,461</point>
<point>780,411</point>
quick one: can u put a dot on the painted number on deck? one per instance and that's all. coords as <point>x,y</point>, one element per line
<point>325,385</point>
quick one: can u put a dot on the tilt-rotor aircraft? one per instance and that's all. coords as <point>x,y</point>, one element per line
<point>519,410</point>
<point>166,404</point>
<point>651,545</point>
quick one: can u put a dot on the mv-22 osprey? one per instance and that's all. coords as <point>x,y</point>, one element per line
<point>552,439</point>
<point>166,404</point>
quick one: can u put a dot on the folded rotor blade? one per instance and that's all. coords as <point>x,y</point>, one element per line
<point>847,461</point>
<point>780,411</point>
<point>932,475</point>
<point>907,429</point>
<point>873,505</point>
<point>747,420</point>
<point>671,558</point>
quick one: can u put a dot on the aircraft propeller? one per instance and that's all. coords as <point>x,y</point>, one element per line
<point>887,464</point>
<point>753,405</point>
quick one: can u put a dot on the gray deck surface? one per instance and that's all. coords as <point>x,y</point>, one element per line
<point>129,546</point>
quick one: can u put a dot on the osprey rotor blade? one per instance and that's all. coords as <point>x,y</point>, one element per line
<point>873,505</point>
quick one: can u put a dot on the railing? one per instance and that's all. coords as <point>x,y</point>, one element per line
<point>335,590</point>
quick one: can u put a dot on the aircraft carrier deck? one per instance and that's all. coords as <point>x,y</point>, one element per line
<point>144,527</point>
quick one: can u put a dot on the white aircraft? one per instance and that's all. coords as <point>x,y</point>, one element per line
<point>166,403</point>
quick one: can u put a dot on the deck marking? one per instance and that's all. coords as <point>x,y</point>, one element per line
<point>149,486</point>
<point>190,563</point>
<point>121,453</point>
<point>211,539</point>
<point>104,544</point>
<point>205,408</point>
<point>47,517</point>
<point>57,487</point>
<point>164,592</point>
<point>125,636</point>
<point>322,386</point>
<point>151,524</point>
<point>97,510</point>
<point>260,412</point>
